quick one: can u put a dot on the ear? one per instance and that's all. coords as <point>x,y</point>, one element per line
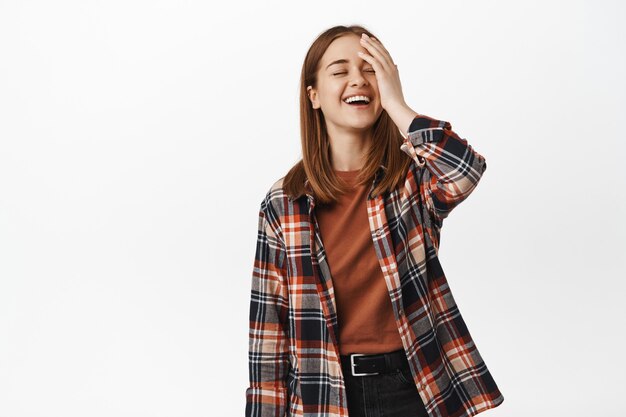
<point>312,93</point>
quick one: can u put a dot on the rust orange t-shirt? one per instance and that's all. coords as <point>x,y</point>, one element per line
<point>364,311</point>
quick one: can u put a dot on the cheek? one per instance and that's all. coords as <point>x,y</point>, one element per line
<point>337,92</point>
<point>330,93</point>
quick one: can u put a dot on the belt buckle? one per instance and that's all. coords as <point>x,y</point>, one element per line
<point>352,355</point>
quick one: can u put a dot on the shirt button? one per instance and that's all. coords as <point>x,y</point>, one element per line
<point>379,232</point>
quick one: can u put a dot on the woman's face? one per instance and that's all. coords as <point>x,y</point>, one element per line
<point>342,74</point>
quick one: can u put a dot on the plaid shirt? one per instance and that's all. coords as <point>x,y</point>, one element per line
<point>294,364</point>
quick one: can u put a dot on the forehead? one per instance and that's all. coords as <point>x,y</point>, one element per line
<point>345,47</point>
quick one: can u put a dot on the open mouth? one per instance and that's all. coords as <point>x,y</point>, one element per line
<point>358,101</point>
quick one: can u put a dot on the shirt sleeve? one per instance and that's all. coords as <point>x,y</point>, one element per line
<point>268,358</point>
<point>452,167</point>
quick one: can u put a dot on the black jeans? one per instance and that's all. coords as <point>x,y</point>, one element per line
<point>392,394</point>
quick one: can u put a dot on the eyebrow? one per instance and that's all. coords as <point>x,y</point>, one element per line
<point>339,61</point>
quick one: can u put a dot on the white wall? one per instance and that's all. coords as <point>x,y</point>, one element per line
<point>137,139</point>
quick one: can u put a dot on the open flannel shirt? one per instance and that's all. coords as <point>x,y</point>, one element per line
<point>294,361</point>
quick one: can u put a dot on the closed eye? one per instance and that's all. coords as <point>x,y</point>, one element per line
<point>344,72</point>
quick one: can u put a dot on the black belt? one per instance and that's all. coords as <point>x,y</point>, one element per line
<point>360,364</point>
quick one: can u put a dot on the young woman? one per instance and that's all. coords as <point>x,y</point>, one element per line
<point>350,312</point>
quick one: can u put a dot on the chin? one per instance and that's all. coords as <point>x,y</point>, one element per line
<point>364,125</point>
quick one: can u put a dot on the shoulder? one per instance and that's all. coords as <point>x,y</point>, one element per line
<point>278,201</point>
<point>277,208</point>
<point>276,189</point>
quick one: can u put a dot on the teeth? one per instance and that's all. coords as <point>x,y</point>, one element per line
<point>356,98</point>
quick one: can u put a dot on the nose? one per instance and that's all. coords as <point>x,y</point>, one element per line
<point>358,79</point>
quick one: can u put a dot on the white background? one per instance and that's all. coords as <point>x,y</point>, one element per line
<point>138,138</point>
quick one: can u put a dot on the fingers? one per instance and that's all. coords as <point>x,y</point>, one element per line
<point>373,49</point>
<point>376,49</point>
<point>378,43</point>
<point>371,60</point>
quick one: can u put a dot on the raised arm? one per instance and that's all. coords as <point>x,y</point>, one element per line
<point>454,168</point>
<point>268,359</point>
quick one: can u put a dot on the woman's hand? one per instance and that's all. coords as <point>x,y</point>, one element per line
<point>387,75</point>
<point>388,79</point>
